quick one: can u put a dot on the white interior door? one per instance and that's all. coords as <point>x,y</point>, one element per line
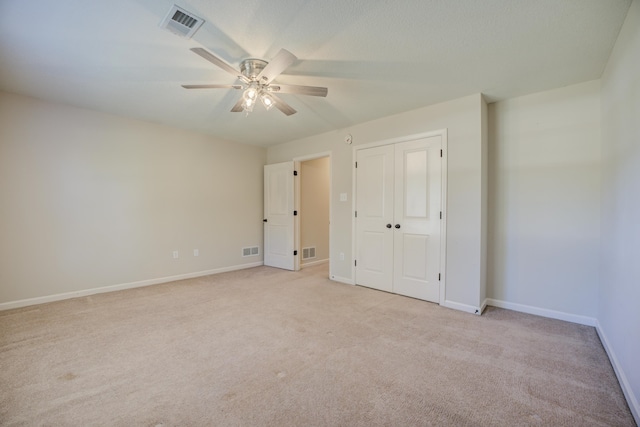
<point>398,223</point>
<point>417,218</point>
<point>278,216</point>
<point>374,209</point>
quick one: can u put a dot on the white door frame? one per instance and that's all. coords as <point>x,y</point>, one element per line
<point>443,224</point>
<point>296,199</point>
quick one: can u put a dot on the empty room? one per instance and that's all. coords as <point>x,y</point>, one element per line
<point>297,213</point>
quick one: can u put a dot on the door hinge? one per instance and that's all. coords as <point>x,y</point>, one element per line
<point>356,165</point>
<point>264,220</point>
<point>356,214</point>
<point>440,153</point>
<point>440,214</point>
<point>355,262</point>
<point>295,253</point>
<point>295,213</point>
<point>295,173</point>
<point>438,276</point>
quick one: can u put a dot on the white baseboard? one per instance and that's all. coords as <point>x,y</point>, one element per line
<point>344,280</point>
<point>309,264</point>
<point>484,305</point>
<point>552,314</point>
<point>462,307</point>
<point>85,292</point>
<point>632,400</point>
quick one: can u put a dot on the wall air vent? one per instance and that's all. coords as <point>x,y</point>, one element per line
<point>251,251</point>
<point>308,253</point>
<point>181,22</point>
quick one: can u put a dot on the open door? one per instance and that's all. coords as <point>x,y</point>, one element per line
<point>279,216</point>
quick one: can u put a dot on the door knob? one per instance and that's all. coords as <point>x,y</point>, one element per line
<point>397,225</point>
<point>388,225</point>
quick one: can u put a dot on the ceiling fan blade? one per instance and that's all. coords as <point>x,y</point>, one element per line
<point>212,86</point>
<point>219,62</point>
<point>301,90</point>
<point>278,64</point>
<point>238,107</point>
<point>283,106</point>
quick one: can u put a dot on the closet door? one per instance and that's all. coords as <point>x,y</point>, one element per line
<point>417,194</point>
<point>374,210</point>
<point>398,208</point>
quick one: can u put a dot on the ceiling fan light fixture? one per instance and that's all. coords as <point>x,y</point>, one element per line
<point>247,106</point>
<point>251,93</point>
<point>267,100</point>
<point>257,76</point>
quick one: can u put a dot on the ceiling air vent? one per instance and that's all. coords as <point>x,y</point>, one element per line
<point>181,22</point>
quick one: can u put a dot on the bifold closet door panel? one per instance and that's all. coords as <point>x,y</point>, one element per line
<point>374,209</point>
<point>417,195</point>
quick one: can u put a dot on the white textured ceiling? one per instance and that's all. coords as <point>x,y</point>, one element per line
<point>377,57</point>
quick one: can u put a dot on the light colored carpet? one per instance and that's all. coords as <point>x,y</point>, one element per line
<point>268,347</point>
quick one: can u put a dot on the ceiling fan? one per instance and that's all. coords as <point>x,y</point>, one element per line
<point>256,77</point>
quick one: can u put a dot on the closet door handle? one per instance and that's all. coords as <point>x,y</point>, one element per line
<point>397,225</point>
<point>388,225</point>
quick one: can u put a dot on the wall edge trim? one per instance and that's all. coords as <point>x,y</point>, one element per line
<point>462,307</point>
<point>344,280</point>
<point>112,288</point>
<point>544,312</point>
<point>632,400</point>
<point>483,306</point>
<point>309,264</point>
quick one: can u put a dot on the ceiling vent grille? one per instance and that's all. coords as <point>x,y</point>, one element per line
<point>181,22</point>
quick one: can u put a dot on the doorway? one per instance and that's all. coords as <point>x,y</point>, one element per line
<point>313,195</point>
<point>289,241</point>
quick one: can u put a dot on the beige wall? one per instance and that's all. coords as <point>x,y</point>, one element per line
<point>314,207</point>
<point>463,120</point>
<point>91,200</point>
<point>619,294</point>
<point>544,230</point>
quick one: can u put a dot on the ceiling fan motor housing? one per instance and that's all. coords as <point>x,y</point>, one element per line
<point>251,68</point>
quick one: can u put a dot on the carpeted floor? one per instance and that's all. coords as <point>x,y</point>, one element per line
<point>265,347</point>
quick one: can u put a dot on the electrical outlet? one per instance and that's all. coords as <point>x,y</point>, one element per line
<point>341,256</point>
<point>175,254</point>
<point>196,252</point>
